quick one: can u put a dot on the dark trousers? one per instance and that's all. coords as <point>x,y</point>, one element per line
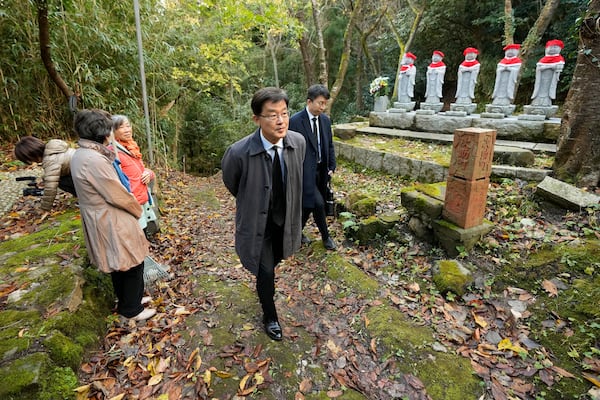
<point>66,183</point>
<point>129,289</point>
<point>270,256</point>
<point>318,211</point>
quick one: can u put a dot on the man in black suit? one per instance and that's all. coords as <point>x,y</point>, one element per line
<point>319,161</point>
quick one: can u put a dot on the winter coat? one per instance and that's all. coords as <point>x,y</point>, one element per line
<point>109,213</point>
<point>56,163</point>
<point>300,122</point>
<point>247,175</point>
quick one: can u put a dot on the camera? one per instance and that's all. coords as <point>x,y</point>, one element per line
<point>329,202</point>
<point>33,191</point>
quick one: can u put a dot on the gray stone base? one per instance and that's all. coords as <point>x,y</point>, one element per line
<point>531,117</point>
<point>492,115</point>
<point>404,106</point>
<point>500,109</point>
<point>435,107</point>
<point>425,112</point>
<point>451,236</point>
<point>455,114</point>
<point>546,111</point>
<point>466,108</point>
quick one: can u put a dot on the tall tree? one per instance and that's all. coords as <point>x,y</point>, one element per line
<point>46,55</point>
<point>418,9</point>
<point>323,66</point>
<point>577,158</point>
<point>355,12</point>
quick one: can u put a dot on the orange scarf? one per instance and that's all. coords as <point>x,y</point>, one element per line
<point>132,147</point>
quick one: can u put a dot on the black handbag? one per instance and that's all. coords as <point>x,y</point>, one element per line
<point>329,201</point>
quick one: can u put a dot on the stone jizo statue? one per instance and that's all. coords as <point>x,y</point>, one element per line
<point>435,78</point>
<point>406,78</point>
<point>507,72</point>
<point>468,71</point>
<point>547,74</point>
<point>506,76</point>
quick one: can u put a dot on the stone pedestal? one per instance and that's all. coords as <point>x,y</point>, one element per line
<point>468,176</point>
<point>435,107</point>
<point>466,108</point>
<point>505,110</point>
<point>403,106</point>
<point>546,111</point>
<point>451,236</point>
<point>381,104</point>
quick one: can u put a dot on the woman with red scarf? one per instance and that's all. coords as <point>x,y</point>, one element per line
<point>140,177</point>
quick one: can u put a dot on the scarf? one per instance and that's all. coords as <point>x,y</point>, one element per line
<point>437,64</point>
<point>132,147</point>
<point>552,59</point>
<point>511,60</point>
<point>405,67</point>
<point>469,63</point>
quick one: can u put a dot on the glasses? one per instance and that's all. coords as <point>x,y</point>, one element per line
<point>274,117</point>
<point>319,103</point>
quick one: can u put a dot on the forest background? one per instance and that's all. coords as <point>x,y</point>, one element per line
<point>204,60</point>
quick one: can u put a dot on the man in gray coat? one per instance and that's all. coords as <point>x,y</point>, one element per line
<point>263,171</point>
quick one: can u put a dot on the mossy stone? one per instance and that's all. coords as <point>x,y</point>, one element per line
<point>63,350</point>
<point>451,276</point>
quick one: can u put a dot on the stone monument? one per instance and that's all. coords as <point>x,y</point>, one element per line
<point>507,72</point>
<point>469,176</point>
<point>406,84</point>
<point>435,81</point>
<point>468,71</point>
<point>547,74</point>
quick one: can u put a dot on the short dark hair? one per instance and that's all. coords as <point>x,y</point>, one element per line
<point>317,90</point>
<point>93,124</point>
<point>30,149</point>
<point>268,94</point>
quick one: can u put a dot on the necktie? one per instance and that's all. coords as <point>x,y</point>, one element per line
<point>277,192</point>
<point>316,131</point>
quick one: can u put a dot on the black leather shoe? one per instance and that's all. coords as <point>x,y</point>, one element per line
<point>329,244</point>
<point>273,330</point>
<point>305,240</point>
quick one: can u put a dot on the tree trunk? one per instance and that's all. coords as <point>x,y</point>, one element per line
<point>323,68</point>
<point>309,72</point>
<point>509,22</point>
<point>345,58</point>
<point>272,44</point>
<point>44,30</point>
<point>577,159</point>
<point>404,47</point>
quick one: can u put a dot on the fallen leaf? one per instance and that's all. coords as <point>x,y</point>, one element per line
<point>595,379</point>
<point>550,288</point>
<point>155,380</point>
<point>479,320</point>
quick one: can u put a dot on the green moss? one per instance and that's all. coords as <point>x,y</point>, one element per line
<point>60,384</point>
<point>60,236</point>
<point>63,351</point>
<point>435,190</point>
<point>341,271</point>
<point>12,322</point>
<point>22,379</point>
<point>348,394</point>
<point>361,204</point>
<point>446,376</point>
<point>452,277</point>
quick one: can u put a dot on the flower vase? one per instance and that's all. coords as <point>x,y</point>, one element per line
<point>381,104</point>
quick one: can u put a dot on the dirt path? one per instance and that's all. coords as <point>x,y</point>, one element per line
<point>208,341</point>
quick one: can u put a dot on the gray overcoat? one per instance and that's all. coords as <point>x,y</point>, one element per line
<point>247,175</point>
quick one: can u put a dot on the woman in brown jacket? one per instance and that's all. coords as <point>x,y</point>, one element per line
<point>109,213</point>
